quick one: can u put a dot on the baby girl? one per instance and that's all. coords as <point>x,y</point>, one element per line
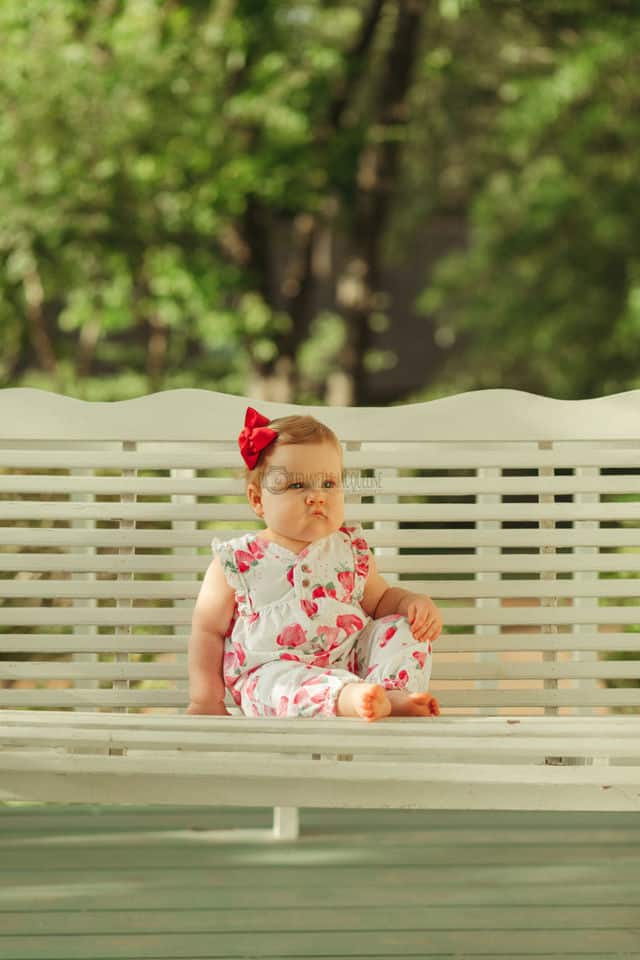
<point>296,621</point>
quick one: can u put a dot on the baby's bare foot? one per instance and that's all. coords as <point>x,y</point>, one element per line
<point>366,700</point>
<point>420,704</point>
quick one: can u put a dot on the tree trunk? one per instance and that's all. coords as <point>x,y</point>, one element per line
<point>38,333</point>
<point>359,291</point>
<point>288,281</point>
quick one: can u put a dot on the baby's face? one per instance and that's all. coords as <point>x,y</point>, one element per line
<point>302,497</point>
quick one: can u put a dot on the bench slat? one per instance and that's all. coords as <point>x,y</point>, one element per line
<point>477,415</point>
<point>90,616</point>
<point>454,616</point>
<point>453,749</point>
<point>447,643</point>
<point>525,697</point>
<point>439,589</point>
<point>521,589</point>
<point>518,670</point>
<point>171,778</point>
<point>426,539</point>
<point>89,697</point>
<point>103,590</point>
<point>441,564</point>
<point>543,670</point>
<point>605,485</point>
<point>453,698</point>
<point>407,512</point>
<point>92,643</point>
<point>536,641</point>
<point>110,671</point>
<point>112,564</point>
<point>426,456</point>
<point>538,616</point>
<point>614,726</point>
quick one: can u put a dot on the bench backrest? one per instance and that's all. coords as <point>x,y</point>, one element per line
<point>519,514</point>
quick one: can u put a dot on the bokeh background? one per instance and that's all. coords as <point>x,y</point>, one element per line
<point>328,201</point>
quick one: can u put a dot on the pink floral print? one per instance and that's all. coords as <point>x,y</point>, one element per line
<point>349,623</point>
<point>293,636</point>
<point>299,632</point>
<point>309,607</point>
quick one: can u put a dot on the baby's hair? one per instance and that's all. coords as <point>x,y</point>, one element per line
<point>296,429</point>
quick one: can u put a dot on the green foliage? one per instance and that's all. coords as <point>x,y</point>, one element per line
<point>545,296</point>
<point>131,137</point>
<point>149,151</point>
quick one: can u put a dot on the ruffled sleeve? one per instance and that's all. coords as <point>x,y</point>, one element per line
<point>230,555</point>
<point>361,557</point>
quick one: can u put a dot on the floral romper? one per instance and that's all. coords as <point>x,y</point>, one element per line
<point>299,634</point>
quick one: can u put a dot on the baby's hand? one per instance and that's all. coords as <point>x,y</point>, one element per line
<point>214,708</point>
<point>424,619</point>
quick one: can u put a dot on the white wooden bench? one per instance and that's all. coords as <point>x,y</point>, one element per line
<point>519,514</point>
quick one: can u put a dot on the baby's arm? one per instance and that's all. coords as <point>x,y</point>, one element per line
<point>209,624</point>
<point>379,600</point>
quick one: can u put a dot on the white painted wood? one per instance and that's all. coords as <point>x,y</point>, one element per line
<point>88,655</point>
<point>581,727</point>
<point>553,589</point>
<point>582,598</point>
<point>112,564</point>
<point>534,616</point>
<point>184,553</point>
<point>452,643</point>
<point>487,561</point>
<point>460,750</point>
<point>526,697</point>
<point>428,455</point>
<point>81,642</point>
<point>286,823</point>
<point>524,632</point>
<point>511,415</point>
<point>394,454</point>
<point>119,589</point>
<point>87,698</point>
<point>476,670</point>
<point>543,669</point>
<point>169,616</point>
<point>161,539</point>
<point>386,490</point>
<point>366,512</point>
<point>485,589</point>
<point>488,586</point>
<point>102,616</point>
<point>389,482</point>
<point>522,642</point>
<point>170,777</point>
<point>82,670</point>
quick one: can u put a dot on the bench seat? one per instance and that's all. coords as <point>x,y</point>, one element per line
<point>534,763</point>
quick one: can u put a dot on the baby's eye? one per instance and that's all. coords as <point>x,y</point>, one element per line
<point>329,484</point>
<point>296,485</point>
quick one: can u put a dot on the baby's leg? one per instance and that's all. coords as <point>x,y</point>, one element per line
<point>287,688</point>
<point>388,654</point>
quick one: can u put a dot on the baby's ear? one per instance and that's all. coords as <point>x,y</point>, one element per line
<point>254,496</point>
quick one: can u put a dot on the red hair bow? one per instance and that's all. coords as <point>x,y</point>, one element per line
<point>254,437</point>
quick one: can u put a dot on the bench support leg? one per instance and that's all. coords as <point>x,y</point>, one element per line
<point>286,823</point>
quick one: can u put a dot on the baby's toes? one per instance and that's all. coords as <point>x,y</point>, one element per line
<point>376,703</point>
<point>424,704</point>
<point>434,707</point>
